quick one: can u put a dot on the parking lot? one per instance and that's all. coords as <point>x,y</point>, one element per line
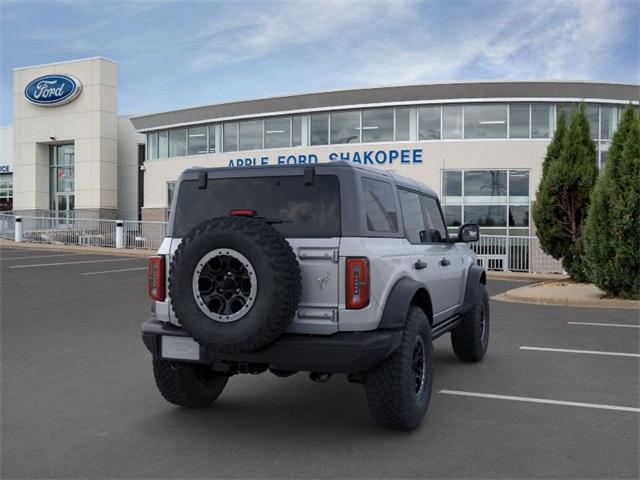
<point>557,396</point>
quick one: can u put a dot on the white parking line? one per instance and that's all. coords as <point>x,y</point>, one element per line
<point>42,256</point>
<point>590,352</point>
<point>77,263</point>
<point>541,400</point>
<point>115,271</point>
<point>605,324</point>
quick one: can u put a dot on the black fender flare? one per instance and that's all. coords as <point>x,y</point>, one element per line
<point>400,299</point>
<point>475,277</point>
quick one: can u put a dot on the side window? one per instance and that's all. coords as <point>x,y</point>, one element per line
<point>380,208</point>
<point>437,229</point>
<point>412,216</point>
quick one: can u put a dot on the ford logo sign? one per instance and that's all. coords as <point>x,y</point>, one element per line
<point>53,90</point>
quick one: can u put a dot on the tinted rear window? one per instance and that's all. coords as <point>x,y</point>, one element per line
<point>307,210</point>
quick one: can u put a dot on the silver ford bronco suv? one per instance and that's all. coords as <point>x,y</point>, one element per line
<point>325,268</point>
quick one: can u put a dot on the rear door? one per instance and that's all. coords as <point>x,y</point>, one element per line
<point>445,256</point>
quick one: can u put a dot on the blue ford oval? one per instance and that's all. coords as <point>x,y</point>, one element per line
<point>52,90</point>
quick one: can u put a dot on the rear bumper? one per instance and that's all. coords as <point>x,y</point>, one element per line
<point>344,352</point>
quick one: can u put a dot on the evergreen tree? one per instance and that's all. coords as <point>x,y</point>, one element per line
<point>612,233</point>
<point>548,231</point>
<point>563,197</point>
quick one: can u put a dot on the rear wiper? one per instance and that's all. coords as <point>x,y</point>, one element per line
<point>272,221</point>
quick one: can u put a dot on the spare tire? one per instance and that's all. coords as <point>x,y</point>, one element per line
<point>234,284</point>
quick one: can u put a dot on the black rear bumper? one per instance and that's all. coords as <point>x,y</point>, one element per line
<point>344,352</point>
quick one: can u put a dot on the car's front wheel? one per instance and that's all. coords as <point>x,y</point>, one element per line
<point>399,389</point>
<point>188,384</point>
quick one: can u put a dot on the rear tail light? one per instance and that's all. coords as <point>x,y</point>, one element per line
<point>156,277</point>
<point>242,212</point>
<point>358,286</point>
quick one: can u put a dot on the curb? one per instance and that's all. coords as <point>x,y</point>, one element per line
<point>512,296</point>
<point>123,252</point>
<point>525,277</point>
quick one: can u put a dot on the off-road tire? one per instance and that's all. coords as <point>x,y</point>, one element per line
<point>390,386</point>
<point>470,338</point>
<point>278,279</point>
<point>188,384</point>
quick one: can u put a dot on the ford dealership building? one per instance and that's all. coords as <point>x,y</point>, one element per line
<point>479,144</point>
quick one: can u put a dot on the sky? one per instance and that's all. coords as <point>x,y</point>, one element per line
<point>176,54</point>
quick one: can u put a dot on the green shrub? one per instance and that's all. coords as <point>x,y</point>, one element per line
<point>612,233</point>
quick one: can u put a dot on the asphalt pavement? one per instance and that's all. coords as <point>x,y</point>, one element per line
<point>556,397</point>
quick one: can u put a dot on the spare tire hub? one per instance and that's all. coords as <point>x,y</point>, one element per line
<point>225,285</point>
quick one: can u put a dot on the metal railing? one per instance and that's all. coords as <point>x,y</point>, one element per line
<point>69,231</point>
<point>148,235</point>
<point>495,252</point>
<point>95,232</point>
<point>516,254</point>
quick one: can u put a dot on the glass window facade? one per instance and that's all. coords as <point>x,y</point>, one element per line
<point>230,137</point>
<point>429,123</point>
<point>163,144</point>
<point>345,127</point>
<point>6,192</point>
<point>152,146</point>
<point>481,186</point>
<point>371,125</point>
<point>377,125</point>
<point>608,122</point>
<point>178,142</point>
<point>320,129</point>
<point>296,131</point>
<point>496,199</point>
<point>251,135</point>
<point>592,117</point>
<point>485,121</point>
<point>277,132</point>
<point>541,120</point>
<point>212,139</point>
<point>197,140</point>
<point>403,124</point>
<point>452,121</point>
<point>519,120</point>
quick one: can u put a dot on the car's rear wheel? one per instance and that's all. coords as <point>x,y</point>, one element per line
<point>188,384</point>
<point>399,389</point>
<point>470,338</point>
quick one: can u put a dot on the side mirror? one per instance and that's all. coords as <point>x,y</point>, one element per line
<point>469,232</point>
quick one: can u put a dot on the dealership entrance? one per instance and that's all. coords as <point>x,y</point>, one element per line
<point>61,180</point>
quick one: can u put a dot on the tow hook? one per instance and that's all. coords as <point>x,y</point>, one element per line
<point>320,377</point>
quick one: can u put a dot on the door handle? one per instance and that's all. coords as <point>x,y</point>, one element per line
<point>419,265</point>
<point>444,261</point>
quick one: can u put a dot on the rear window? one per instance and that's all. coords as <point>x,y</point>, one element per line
<point>306,210</point>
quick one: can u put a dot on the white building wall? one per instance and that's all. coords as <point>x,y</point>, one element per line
<point>436,156</point>
<point>90,122</point>
<point>6,149</point>
<point>128,169</point>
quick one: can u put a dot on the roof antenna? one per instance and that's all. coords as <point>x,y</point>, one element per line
<point>309,175</point>
<point>202,180</point>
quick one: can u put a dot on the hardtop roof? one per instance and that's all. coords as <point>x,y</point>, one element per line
<point>400,180</point>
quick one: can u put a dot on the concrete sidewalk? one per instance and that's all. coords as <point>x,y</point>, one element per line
<point>127,252</point>
<point>565,292</point>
